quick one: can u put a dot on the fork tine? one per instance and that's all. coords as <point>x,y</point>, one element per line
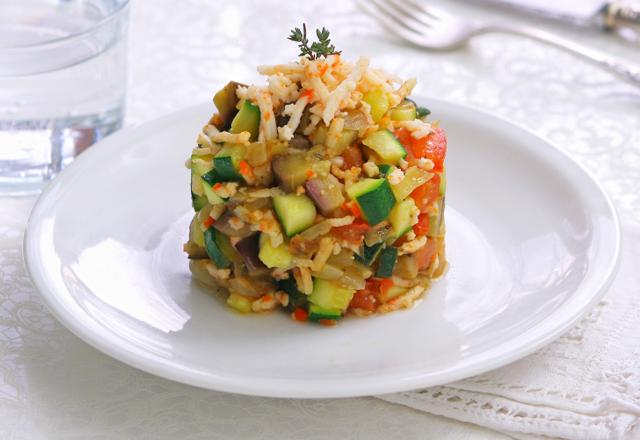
<point>435,13</point>
<point>391,23</point>
<point>400,15</point>
<point>424,19</point>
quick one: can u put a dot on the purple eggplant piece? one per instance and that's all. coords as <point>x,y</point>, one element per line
<point>290,171</point>
<point>248,248</point>
<point>223,225</point>
<point>326,193</point>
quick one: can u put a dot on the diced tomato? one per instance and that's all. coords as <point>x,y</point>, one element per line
<point>422,227</point>
<point>364,299</point>
<point>353,233</point>
<point>300,314</point>
<point>427,193</point>
<point>433,146</point>
<point>208,222</point>
<point>352,157</point>
<point>385,284</point>
<point>425,255</point>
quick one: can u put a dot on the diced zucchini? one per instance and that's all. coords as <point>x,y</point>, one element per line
<point>386,145</point>
<point>435,220</point>
<point>200,165</point>
<point>386,262</point>
<point>225,246</point>
<point>385,169</point>
<point>198,202</point>
<point>227,162</point>
<point>443,182</point>
<point>296,298</point>
<point>374,197</point>
<point>347,138</point>
<point>413,178</point>
<point>401,217</point>
<point>247,119</point>
<point>274,256</point>
<point>212,197</point>
<point>393,292</point>
<point>196,234</point>
<point>406,267</point>
<point>405,111</point>
<point>295,212</point>
<point>379,102</point>
<point>369,253</point>
<point>421,112</point>
<point>214,244</point>
<point>317,313</point>
<point>238,302</point>
<point>226,101</point>
<point>212,177</point>
<point>329,295</point>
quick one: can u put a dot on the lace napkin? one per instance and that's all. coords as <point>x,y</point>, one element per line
<point>585,385</point>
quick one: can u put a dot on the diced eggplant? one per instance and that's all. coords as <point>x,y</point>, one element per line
<point>223,224</point>
<point>300,142</point>
<point>326,193</point>
<point>245,286</point>
<point>226,102</point>
<point>249,247</point>
<point>291,171</point>
<point>355,120</point>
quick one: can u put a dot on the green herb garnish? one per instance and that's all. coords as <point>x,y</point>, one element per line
<point>320,48</point>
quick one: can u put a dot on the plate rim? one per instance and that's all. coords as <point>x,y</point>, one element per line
<point>275,387</point>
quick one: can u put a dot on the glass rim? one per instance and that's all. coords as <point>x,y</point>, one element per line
<point>121,9</point>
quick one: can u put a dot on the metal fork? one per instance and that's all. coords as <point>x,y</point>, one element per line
<point>434,29</point>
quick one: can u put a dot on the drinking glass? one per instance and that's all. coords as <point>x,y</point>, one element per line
<point>62,84</point>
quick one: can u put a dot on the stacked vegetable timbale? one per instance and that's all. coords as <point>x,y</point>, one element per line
<point>321,193</point>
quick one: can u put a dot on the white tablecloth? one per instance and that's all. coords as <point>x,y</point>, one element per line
<point>53,386</point>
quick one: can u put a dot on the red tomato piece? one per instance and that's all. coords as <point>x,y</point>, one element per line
<point>427,193</point>
<point>433,146</point>
<point>422,227</point>
<point>364,299</point>
<point>353,233</point>
<point>425,255</point>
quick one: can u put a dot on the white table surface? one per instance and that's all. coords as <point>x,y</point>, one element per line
<point>54,386</point>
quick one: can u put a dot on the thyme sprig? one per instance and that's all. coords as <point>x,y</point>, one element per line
<point>320,48</point>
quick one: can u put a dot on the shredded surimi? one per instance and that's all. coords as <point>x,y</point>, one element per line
<point>232,138</point>
<point>342,92</point>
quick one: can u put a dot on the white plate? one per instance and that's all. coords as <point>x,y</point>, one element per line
<point>532,239</point>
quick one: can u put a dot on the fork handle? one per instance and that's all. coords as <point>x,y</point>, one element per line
<point>624,70</point>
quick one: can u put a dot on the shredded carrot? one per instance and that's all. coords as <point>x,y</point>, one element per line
<point>245,169</point>
<point>208,222</point>
<point>217,185</point>
<point>328,322</point>
<point>307,94</point>
<point>324,69</point>
<point>310,174</point>
<point>353,208</point>
<point>267,297</point>
<point>300,314</point>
